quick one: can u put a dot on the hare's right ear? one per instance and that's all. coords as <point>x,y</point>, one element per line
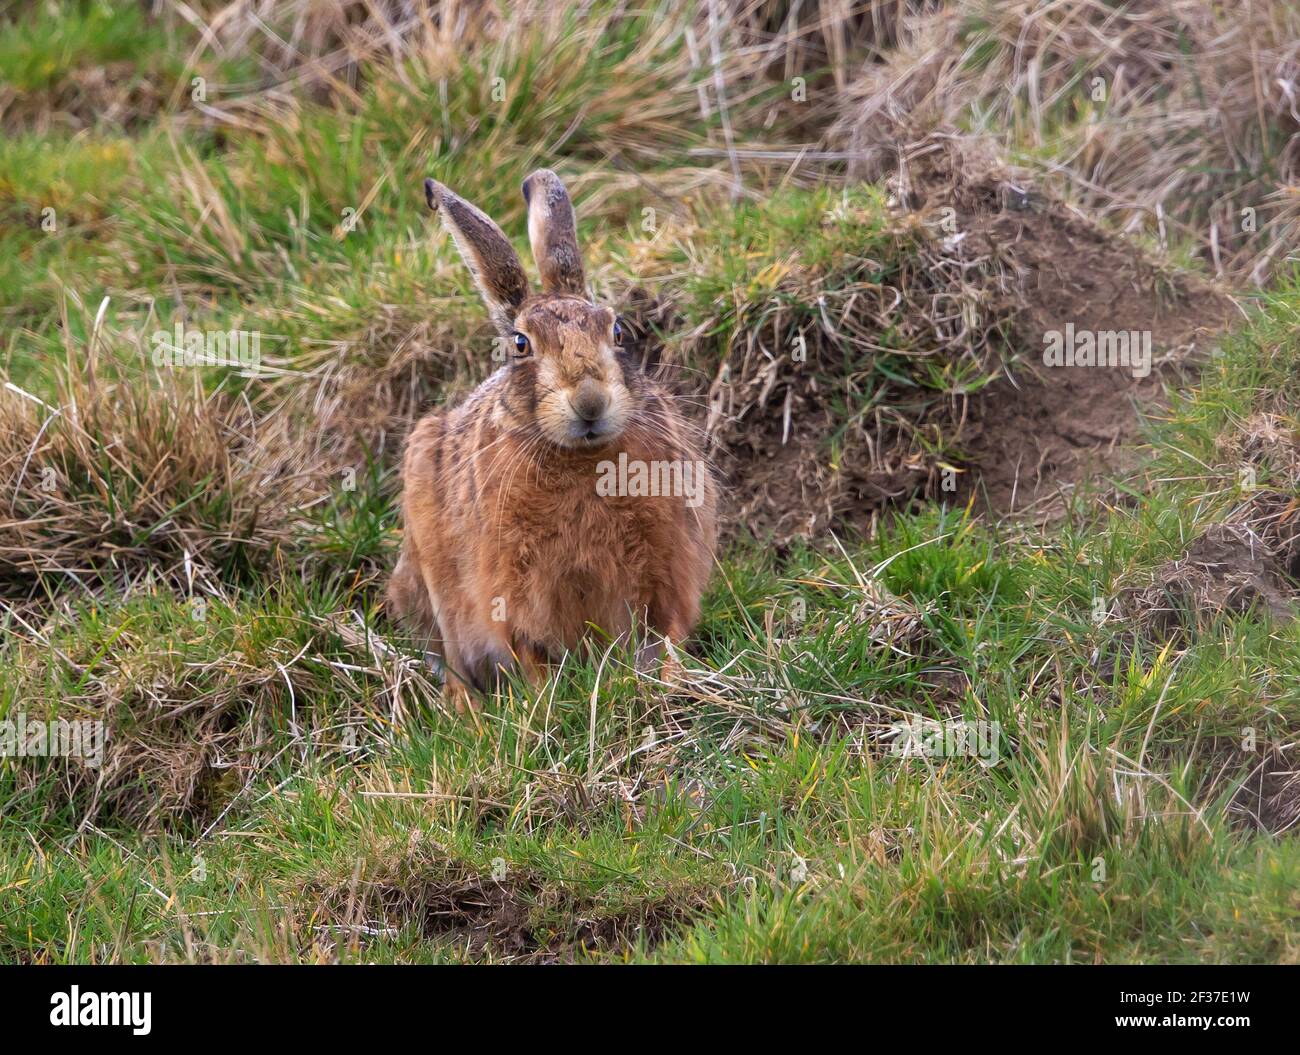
<point>489,255</point>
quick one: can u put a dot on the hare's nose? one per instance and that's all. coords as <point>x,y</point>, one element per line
<point>589,401</point>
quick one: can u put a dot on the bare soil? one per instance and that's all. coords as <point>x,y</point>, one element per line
<point>1269,799</point>
<point>1038,431</point>
<point>517,917</point>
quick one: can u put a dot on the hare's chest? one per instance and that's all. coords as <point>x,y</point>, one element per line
<point>590,561</point>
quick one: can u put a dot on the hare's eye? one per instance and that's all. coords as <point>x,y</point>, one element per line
<point>618,332</point>
<point>521,346</point>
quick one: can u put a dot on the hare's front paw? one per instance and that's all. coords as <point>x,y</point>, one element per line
<point>458,695</point>
<point>671,671</point>
<point>659,655</point>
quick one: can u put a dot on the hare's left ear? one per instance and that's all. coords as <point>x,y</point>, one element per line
<point>553,234</point>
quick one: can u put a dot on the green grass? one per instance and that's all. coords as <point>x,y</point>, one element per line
<point>37,53</point>
<point>775,817</point>
<point>287,789</point>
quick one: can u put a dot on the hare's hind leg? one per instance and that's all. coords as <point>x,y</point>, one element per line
<point>444,641</point>
<point>410,601</point>
<point>407,602</point>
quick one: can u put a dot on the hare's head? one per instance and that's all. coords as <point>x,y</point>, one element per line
<point>568,375</point>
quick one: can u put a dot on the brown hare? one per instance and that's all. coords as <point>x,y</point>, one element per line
<point>566,495</point>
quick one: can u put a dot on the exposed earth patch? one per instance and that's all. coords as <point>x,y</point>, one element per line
<point>1038,431</point>
<point>513,916</point>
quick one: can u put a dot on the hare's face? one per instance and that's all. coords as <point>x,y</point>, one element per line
<point>567,376</point>
<point>565,354</point>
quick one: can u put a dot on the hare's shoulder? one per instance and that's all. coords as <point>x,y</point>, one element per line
<point>446,422</point>
<point>426,437</point>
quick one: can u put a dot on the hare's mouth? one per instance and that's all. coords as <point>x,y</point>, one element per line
<point>585,435</point>
<point>591,433</point>
<point>578,436</point>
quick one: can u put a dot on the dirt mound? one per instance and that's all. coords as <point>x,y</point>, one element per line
<point>981,270</point>
<point>1037,431</point>
<point>1042,430</point>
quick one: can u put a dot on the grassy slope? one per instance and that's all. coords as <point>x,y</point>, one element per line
<point>762,802</point>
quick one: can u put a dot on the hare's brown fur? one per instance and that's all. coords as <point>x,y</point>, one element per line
<point>510,554</point>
